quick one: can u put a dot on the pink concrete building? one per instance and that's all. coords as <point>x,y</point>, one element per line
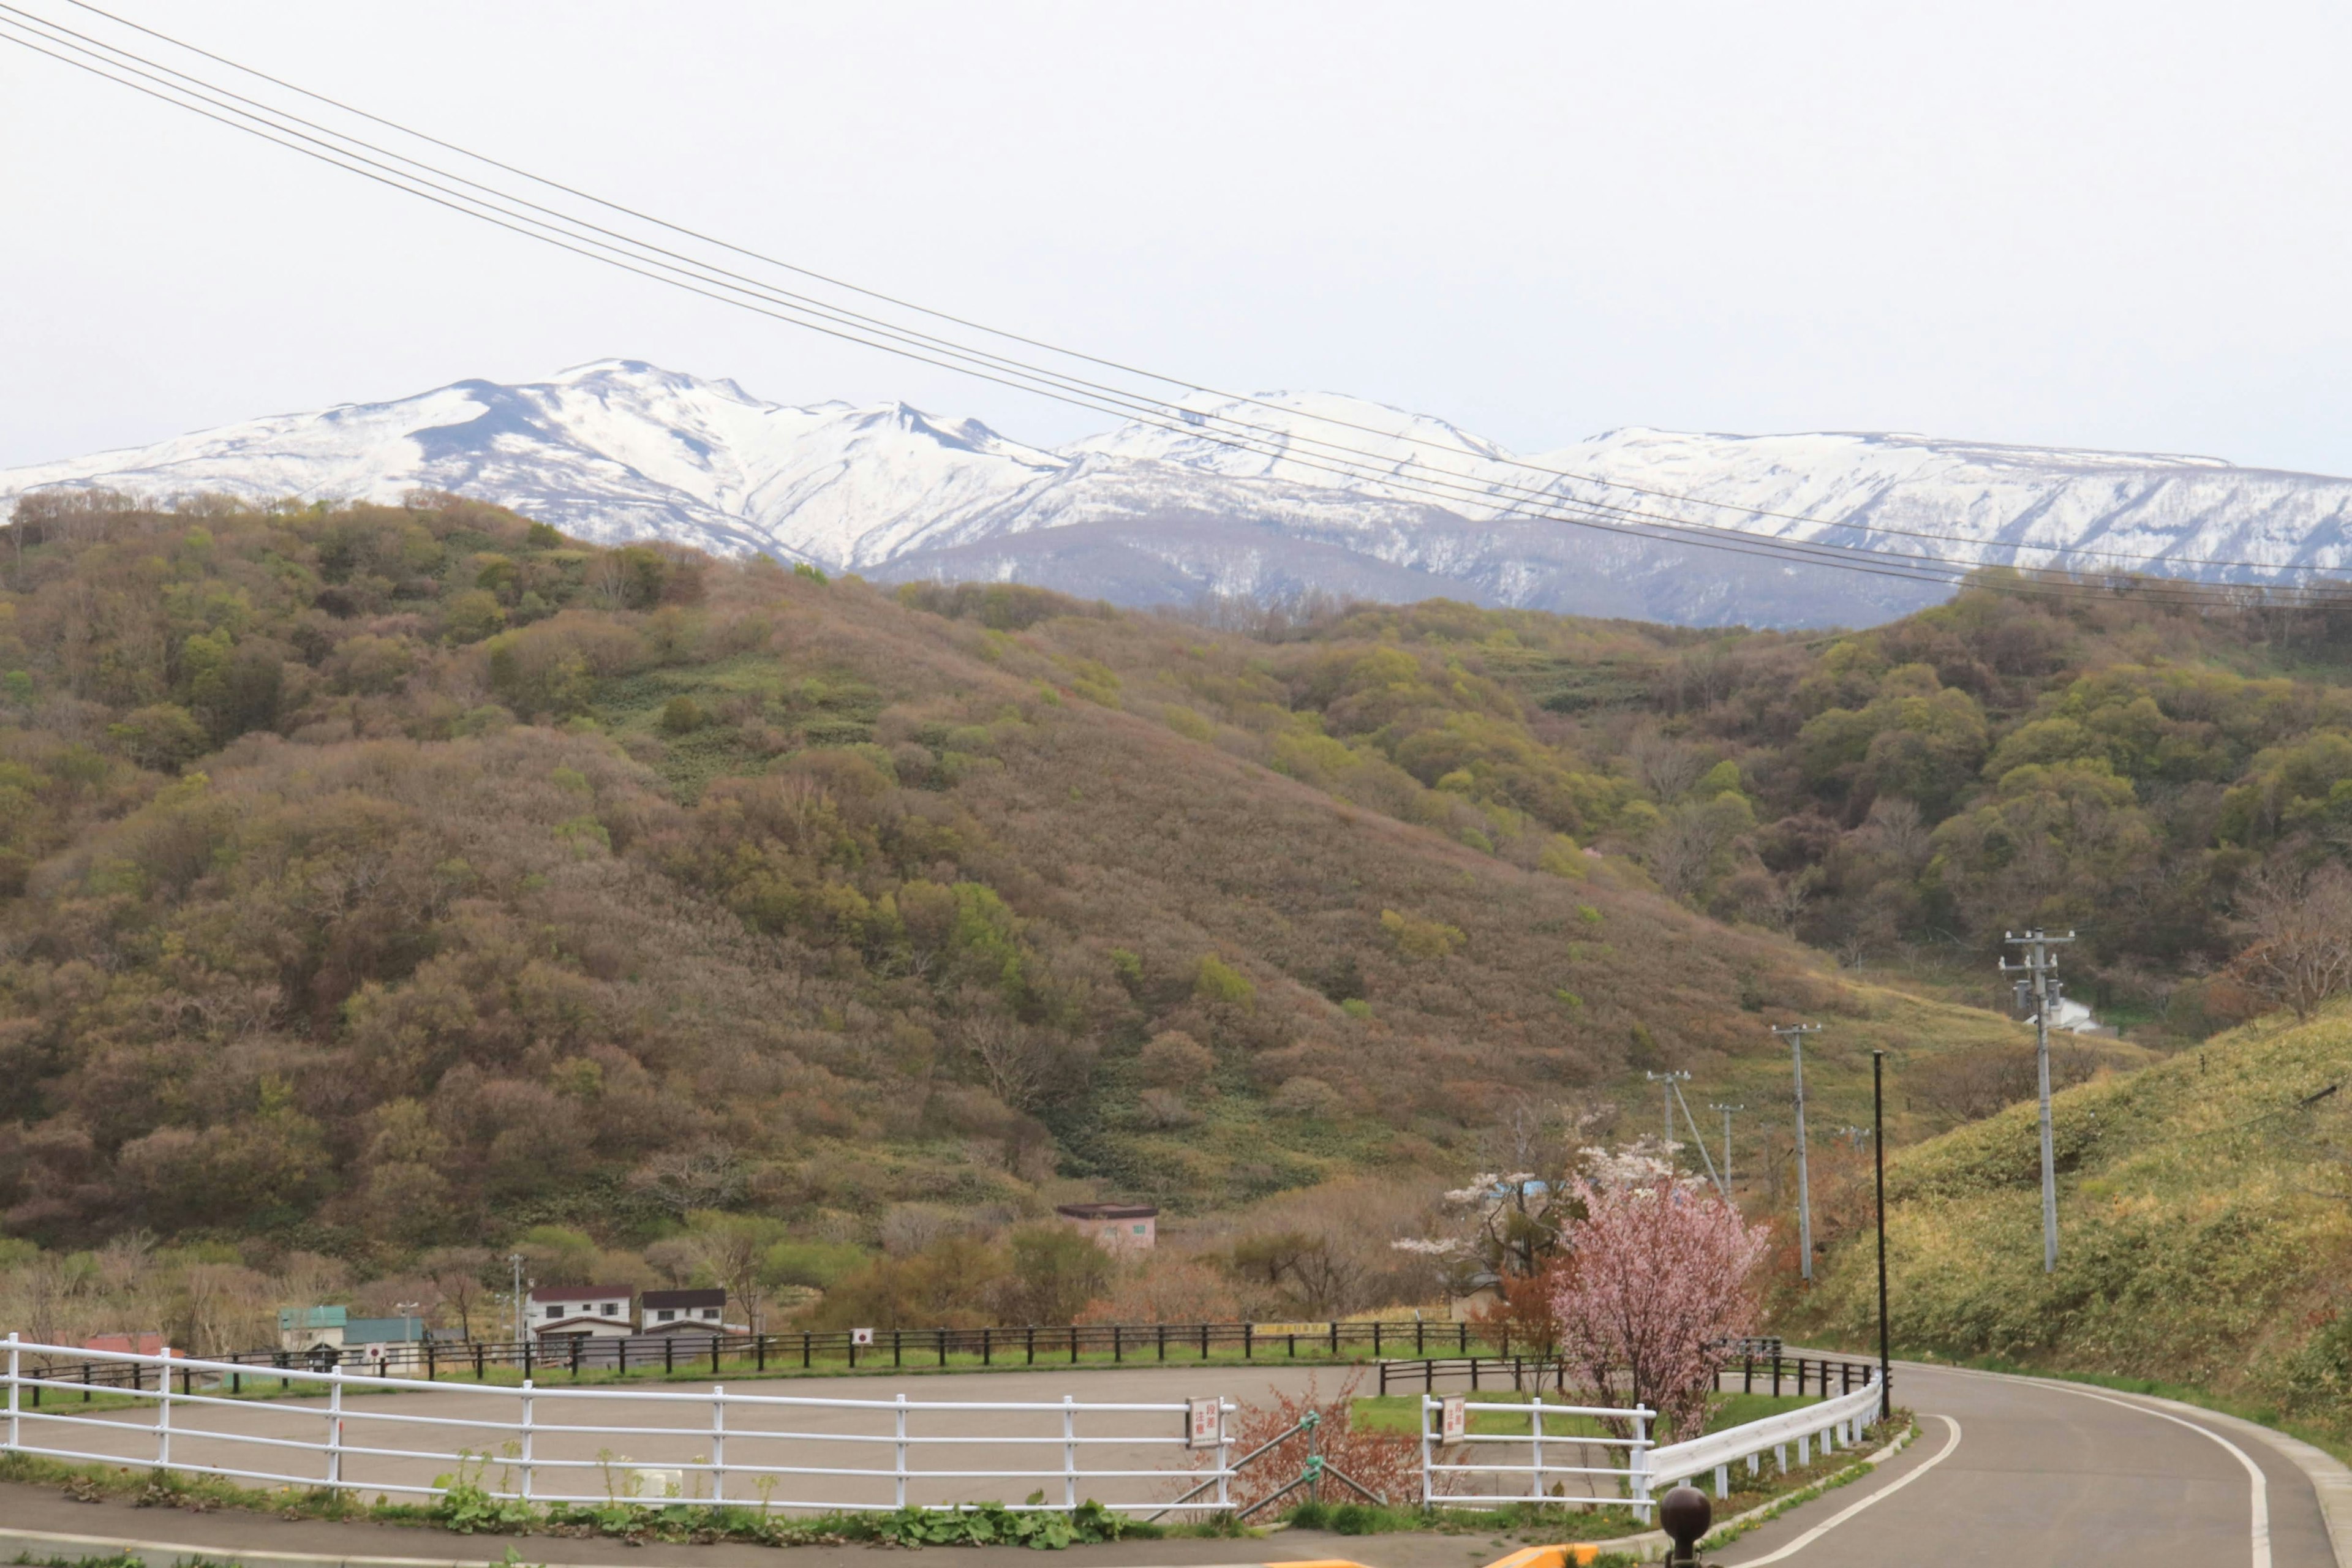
<point>1121,1228</point>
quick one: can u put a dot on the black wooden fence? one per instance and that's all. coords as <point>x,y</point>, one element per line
<point>1773,1374</point>
<point>854,1350</point>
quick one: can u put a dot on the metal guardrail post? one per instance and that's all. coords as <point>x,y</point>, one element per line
<point>1638,1460</point>
<point>16,1364</point>
<point>163,1412</point>
<point>335,1428</point>
<point>901,1450</point>
<point>1535,1442</point>
<point>1069,1449</point>
<point>717,1444</point>
<point>527,1432</point>
<point>1224,1457</point>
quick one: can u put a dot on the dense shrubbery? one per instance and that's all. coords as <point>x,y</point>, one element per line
<point>384,880</point>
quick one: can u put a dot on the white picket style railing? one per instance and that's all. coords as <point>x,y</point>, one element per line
<point>558,1445</point>
<point>1525,1475</point>
<point>1834,1423</point>
<point>1536,1457</point>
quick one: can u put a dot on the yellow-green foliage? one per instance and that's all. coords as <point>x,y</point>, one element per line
<point>2203,1220</point>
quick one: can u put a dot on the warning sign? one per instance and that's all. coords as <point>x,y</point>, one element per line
<point>1452,1418</point>
<point>1205,1423</point>
<point>861,1336</point>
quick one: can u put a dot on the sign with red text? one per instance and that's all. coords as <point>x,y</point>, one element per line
<point>1204,1426</point>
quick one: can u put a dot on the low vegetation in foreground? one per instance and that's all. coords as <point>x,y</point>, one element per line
<point>2205,1218</point>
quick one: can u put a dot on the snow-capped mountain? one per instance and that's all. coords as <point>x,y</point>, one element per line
<point>1338,493</point>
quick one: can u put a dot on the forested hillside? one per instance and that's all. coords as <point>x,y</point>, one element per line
<point>386,877</point>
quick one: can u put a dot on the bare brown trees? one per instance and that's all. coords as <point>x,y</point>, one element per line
<point>2300,923</point>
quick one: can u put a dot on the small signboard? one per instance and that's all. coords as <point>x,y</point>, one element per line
<point>1452,1418</point>
<point>1205,1425</point>
<point>861,1336</point>
<point>377,1351</point>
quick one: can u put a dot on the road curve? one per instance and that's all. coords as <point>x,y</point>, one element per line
<point>2021,1473</point>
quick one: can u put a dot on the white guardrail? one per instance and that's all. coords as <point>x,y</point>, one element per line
<point>1523,1475</point>
<point>595,1444</point>
<point>1533,1459</point>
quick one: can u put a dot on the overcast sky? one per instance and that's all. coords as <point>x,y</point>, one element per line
<point>2120,226</point>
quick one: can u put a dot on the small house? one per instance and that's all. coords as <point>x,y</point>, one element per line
<point>128,1344</point>
<point>1118,1227</point>
<point>681,1311</point>
<point>580,1312</point>
<point>310,1328</point>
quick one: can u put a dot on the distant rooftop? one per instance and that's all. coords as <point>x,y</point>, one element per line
<point>1108,1211</point>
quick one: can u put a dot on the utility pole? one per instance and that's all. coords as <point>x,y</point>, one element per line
<point>1698,1141</point>
<point>1795,1035</point>
<point>514,1260</point>
<point>1727,1110</point>
<point>1878,1148</point>
<point>2037,967</point>
<point>1669,1079</point>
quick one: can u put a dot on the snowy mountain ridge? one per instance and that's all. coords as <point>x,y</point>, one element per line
<point>621,449</point>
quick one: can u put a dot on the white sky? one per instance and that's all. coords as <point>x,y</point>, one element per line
<point>2105,224</point>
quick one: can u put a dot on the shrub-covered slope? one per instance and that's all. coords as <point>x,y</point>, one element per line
<point>2205,1238</point>
<point>378,876</point>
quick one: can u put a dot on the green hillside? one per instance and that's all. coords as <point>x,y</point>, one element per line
<point>2205,1213</point>
<point>381,878</point>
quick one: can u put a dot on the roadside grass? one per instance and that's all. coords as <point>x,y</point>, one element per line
<point>2203,1235</point>
<point>1402,1413</point>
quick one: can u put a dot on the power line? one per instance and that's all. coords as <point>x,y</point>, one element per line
<point>1448,488</point>
<point>1122,366</point>
<point>696,275</point>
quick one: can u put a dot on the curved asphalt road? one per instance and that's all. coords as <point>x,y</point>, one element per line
<point>2019,1473</point>
<point>2006,1472</point>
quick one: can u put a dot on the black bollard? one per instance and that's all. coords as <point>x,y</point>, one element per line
<point>1685,1513</point>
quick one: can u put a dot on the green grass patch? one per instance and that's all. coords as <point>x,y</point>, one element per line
<point>1402,1412</point>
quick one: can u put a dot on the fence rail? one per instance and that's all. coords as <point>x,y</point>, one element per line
<point>1530,1462</point>
<point>1834,1423</point>
<point>588,1445</point>
<point>1774,1374</point>
<point>1027,1345</point>
<point>558,1445</point>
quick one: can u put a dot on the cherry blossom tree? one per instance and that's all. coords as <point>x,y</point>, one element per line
<point>1651,1287</point>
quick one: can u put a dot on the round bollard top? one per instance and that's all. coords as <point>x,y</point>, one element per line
<point>1685,1513</point>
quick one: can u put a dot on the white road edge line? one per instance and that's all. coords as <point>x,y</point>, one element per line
<point>2261,1483</point>
<point>1881,1494</point>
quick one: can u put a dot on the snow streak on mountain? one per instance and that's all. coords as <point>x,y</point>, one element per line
<point>619,449</point>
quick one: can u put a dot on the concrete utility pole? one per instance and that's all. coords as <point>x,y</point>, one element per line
<point>1795,1035</point>
<point>1698,1141</point>
<point>1727,1110</point>
<point>515,1260</point>
<point>1669,1079</point>
<point>2037,967</point>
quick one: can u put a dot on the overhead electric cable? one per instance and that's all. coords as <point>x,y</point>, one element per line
<point>699,276</point>
<point>1186,383</point>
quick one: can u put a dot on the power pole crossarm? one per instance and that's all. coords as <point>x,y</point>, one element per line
<point>2037,966</point>
<point>1795,1035</point>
